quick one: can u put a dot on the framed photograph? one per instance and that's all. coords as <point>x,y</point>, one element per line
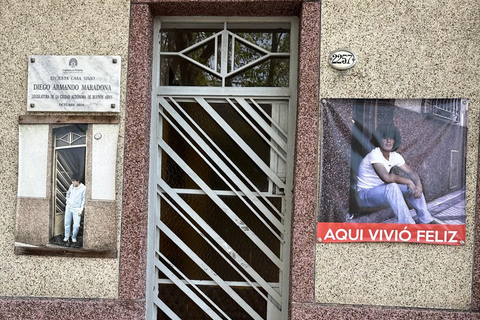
<point>393,170</point>
<point>66,201</point>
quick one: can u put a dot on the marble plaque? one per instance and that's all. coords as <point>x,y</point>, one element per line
<point>74,83</point>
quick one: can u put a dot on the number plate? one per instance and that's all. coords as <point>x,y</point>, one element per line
<point>342,59</point>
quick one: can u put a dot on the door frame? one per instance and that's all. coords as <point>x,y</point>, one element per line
<point>289,93</point>
<point>54,168</point>
<point>132,266</point>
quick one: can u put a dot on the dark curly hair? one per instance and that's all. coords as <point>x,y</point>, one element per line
<point>386,131</point>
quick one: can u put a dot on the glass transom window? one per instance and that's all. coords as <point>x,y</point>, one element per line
<point>224,55</point>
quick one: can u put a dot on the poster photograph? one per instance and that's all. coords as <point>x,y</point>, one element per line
<point>51,212</point>
<point>70,209</point>
<point>392,171</point>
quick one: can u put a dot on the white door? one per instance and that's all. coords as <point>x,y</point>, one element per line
<point>69,157</point>
<point>223,133</point>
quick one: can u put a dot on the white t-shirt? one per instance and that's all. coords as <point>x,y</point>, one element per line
<point>367,177</point>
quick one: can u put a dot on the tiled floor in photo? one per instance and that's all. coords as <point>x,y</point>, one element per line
<point>449,209</point>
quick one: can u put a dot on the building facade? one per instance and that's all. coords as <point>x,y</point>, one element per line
<point>165,192</point>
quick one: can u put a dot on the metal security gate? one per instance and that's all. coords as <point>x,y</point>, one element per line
<point>221,179</point>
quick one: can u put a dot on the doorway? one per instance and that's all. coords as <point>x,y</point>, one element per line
<point>223,129</point>
<point>69,156</point>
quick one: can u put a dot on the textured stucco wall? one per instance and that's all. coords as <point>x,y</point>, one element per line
<point>53,27</point>
<point>405,49</point>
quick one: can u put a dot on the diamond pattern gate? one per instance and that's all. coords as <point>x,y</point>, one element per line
<point>219,222</point>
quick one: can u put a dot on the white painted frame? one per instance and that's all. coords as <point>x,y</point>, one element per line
<point>268,93</point>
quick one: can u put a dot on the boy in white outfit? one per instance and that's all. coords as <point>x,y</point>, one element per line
<point>378,185</point>
<point>74,208</point>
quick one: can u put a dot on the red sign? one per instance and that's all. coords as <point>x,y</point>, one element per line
<point>330,232</point>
